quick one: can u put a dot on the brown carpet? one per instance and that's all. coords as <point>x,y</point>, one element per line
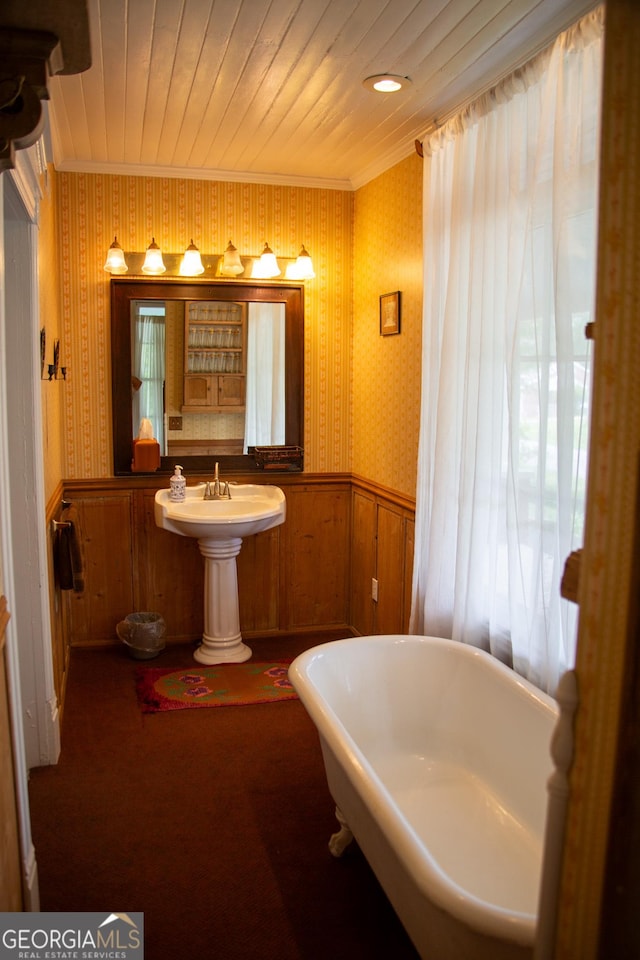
<point>214,823</point>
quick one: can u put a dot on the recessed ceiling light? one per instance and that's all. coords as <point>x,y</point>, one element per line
<point>386,83</point>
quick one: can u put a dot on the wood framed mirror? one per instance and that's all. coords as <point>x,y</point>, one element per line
<point>202,350</point>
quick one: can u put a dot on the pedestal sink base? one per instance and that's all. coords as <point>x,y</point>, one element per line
<point>219,525</point>
<point>221,639</point>
<point>222,650</point>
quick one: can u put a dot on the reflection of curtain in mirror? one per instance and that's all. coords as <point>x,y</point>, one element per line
<point>148,368</point>
<point>264,421</point>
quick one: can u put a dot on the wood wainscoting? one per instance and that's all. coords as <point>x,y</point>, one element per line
<point>58,608</point>
<point>290,579</point>
<point>313,573</point>
<point>382,539</point>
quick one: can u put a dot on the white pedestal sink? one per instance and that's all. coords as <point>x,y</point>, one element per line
<point>219,527</point>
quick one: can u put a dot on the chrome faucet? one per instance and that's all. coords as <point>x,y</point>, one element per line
<point>217,490</point>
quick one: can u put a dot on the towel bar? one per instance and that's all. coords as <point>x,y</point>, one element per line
<point>59,525</point>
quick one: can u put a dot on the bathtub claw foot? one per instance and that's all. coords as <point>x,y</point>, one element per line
<point>338,842</point>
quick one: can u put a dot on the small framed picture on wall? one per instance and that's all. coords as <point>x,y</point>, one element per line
<point>389,313</point>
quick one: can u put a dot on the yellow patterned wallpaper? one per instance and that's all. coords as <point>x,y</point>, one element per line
<point>92,208</point>
<point>386,370</point>
<point>52,393</point>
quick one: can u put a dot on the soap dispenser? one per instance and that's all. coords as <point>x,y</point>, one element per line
<point>178,485</point>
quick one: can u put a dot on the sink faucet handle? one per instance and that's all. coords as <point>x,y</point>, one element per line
<point>227,491</point>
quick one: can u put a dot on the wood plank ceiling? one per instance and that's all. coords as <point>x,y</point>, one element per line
<point>271,90</point>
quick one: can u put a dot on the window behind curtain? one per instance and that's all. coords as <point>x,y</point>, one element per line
<point>510,253</point>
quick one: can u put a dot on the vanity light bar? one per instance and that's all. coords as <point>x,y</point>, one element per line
<point>193,264</point>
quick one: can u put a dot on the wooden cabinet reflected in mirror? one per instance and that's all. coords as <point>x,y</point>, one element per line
<point>217,368</point>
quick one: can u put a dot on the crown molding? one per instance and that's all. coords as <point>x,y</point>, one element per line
<point>190,173</point>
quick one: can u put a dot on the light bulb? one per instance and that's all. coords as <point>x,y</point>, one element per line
<point>153,262</point>
<point>191,265</point>
<point>268,265</point>
<point>304,265</point>
<point>231,264</point>
<point>115,262</point>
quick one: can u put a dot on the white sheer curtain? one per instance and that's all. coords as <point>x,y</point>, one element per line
<point>148,370</point>
<point>510,251</point>
<point>265,396</point>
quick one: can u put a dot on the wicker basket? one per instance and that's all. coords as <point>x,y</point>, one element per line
<point>278,458</point>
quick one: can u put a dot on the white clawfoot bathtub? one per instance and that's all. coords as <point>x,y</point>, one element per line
<point>437,757</point>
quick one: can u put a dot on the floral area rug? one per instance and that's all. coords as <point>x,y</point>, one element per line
<point>223,685</point>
